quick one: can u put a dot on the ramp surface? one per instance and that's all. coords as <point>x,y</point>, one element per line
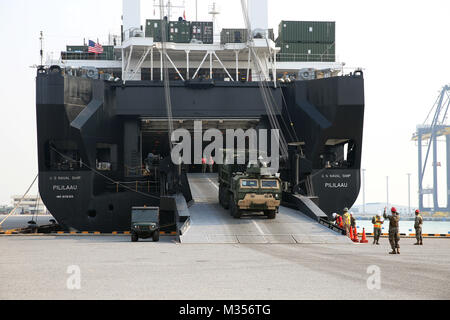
<point>210,223</point>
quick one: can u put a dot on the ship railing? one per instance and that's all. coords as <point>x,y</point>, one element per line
<point>147,186</point>
<point>87,56</point>
<point>140,171</point>
<point>300,57</point>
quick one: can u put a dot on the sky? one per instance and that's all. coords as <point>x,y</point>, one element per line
<point>403,47</point>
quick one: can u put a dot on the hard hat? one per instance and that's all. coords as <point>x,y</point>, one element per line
<point>334,215</point>
<point>417,211</point>
<point>394,210</point>
<point>345,209</point>
<point>379,214</point>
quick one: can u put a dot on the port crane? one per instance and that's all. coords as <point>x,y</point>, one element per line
<point>427,134</point>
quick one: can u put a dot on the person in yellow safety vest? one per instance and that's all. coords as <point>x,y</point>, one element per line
<point>377,222</point>
<point>347,221</point>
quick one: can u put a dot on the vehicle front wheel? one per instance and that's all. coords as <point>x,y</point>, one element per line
<point>134,237</point>
<point>156,236</point>
<point>234,209</point>
<point>271,214</point>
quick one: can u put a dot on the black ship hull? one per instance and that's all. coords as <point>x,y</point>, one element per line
<point>93,137</point>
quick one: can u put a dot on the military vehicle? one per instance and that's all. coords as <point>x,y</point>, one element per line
<point>254,189</point>
<point>145,223</point>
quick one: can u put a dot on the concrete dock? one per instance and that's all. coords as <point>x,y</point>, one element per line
<point>114,268</point>
<point>292,257</point>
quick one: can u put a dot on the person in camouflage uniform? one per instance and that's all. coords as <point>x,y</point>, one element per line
<point>418,223</point>
<point>394,236</point>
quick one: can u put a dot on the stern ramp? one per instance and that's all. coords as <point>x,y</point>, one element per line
<point>210,223</point>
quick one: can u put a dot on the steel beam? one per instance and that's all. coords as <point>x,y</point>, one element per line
<point>448,172</point>
<point>174,66</point>
<point>151,64</point>
<point>223,66</point>
<point>419,141</point>
<point>201,64</point>
<point>435,176</point>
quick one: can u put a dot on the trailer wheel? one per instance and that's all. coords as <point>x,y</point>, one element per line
<point>134,237</point>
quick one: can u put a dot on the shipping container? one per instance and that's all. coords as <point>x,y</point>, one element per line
<point>234,36</point>
<point>307,31</point>
<point>179,31</point>
<point>307,52</point>
<point>202,31</point>
<point>153,30</point>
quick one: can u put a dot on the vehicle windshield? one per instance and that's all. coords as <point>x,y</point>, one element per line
<point>144,215</point>
<point>249,183</point>
<point>273,184</point>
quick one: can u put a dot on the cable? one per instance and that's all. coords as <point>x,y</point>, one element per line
<point>164,30</point>
<point>18,204</point>
<point>106,177</point>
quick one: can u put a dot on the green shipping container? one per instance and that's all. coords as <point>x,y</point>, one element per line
<point>180,31</point>
<point>233,36</point>
<point>153,30</point>
<point>307,32</point>
<point>307,52</point>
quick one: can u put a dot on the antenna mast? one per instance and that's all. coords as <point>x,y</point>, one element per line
<point>169,7</point>
<point>214,11</point>
<point>41,39</point>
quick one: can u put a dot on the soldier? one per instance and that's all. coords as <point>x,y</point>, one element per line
<point>418,226</point>
<point>394,236</point>
<point>347,221</point>
<point>211,165</point>
<point>377,225</point>
<point>203,165</point>
<point>338,220</point>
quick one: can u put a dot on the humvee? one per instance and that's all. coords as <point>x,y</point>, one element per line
<point>145,223</point>
<point>255,190</point>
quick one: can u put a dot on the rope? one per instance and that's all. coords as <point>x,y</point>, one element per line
<point>166,73</point>
<point>267,96</point>
<point>18,204</point>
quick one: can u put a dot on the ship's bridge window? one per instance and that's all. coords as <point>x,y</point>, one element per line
<point>338,154</point>
<point>63,156</point>
<point>106,158</point>
<point>247,183</point>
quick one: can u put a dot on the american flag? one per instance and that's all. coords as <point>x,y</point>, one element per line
<point>95,47</point>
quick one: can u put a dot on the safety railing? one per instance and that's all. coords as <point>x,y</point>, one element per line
<point>300,57</point>
<point>147,186</point>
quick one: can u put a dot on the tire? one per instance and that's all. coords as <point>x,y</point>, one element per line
<point>226,199</point>
<point>234,209</point>
<point>134,237</point>
<point>221,196</point>
<point>156,236</point>
<point>271,215</point>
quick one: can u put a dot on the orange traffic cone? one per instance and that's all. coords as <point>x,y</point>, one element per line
<point>364,239</point>
<point>355,235</point>
<point>350,235</point>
